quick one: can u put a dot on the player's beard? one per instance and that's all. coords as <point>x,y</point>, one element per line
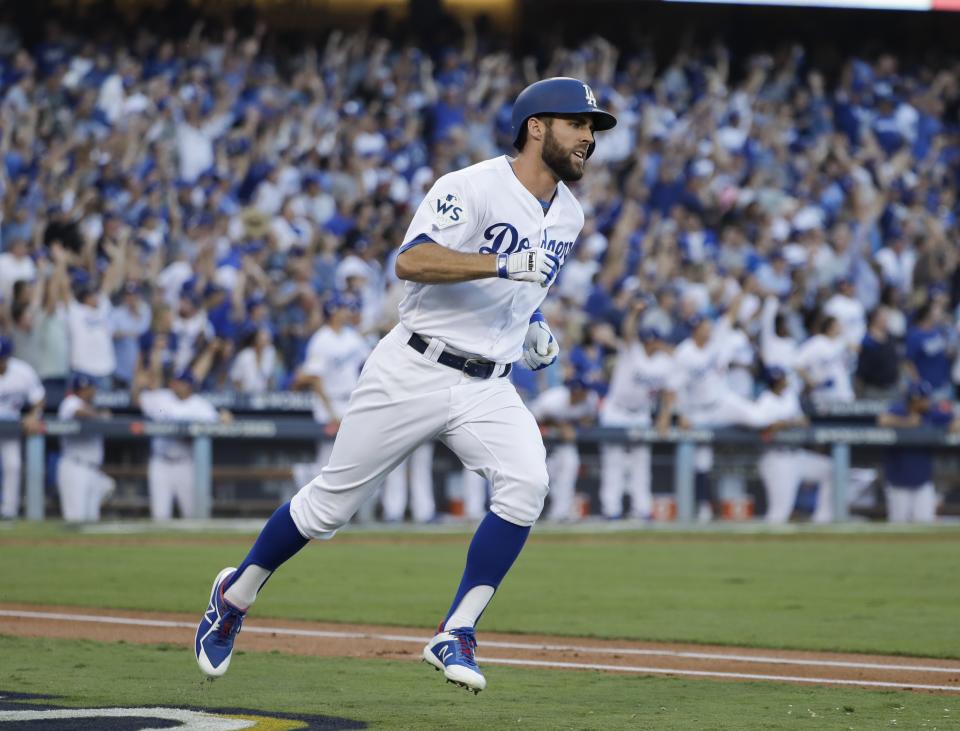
<point>560,160</point>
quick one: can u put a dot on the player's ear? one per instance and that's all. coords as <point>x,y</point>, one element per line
<point>536,128</point>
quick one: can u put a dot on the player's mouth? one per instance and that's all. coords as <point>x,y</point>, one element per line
<point>580,155</point>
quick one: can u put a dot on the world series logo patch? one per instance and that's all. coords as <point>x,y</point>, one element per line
<point>450,211</point>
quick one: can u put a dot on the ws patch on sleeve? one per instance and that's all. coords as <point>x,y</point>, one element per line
<point>450,211</point>
<point>27,712</point>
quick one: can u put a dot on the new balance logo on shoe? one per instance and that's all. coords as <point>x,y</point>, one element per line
<point>444,653</point>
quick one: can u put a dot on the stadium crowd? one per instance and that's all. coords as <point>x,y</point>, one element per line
<point>204,204</point>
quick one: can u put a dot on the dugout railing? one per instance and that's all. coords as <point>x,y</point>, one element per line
<point>835,440</point>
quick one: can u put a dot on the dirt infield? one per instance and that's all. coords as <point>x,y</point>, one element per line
<point>398,643</point>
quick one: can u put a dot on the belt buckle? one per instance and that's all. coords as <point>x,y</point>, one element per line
<point>476,368</point>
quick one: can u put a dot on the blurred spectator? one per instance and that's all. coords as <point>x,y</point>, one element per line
<point>928,350</point>
<point>254,370</point>
<point>559,411</point>
<point>418,486</point>
<point>15,266</point>
<point>89,313</point>
<point>911,494</point>
<point>335,355</point>
<point>822,363</point>
<point>19,387</point>
<point>779,466</point>
<point>848,311</point>
<point>242,182</point>
<point>80,480</point>
<point>638,384</point>
<point>171,470</point>
<point>130,321</point>
<point>878,363</point>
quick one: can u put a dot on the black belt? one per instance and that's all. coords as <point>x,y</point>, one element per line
<point>473,367</point>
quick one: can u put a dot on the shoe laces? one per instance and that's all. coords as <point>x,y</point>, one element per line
<point>467,640</point>
<point>230,621</point>
<point>230,624</point>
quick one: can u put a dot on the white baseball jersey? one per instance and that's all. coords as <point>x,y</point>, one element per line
<point>252,374</point>
<point>19,386</point>
<point>163,404</point>
<point>771,408</point>
<point>700,374</point>
<point>740,356</point>
<point>87,449</point>
<point>825,361</point>
<point>91,337</point>
<point>188,330</point>
<point>851,315</point>
<point>554,404</point>
<point>485,209</point>
<point>336,357</point>
<point>776,351</point>
<point>637,379</point>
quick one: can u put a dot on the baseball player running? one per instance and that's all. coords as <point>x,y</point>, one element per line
<point>80,479</point>
<point>19,386</point>
<point>478,257</point>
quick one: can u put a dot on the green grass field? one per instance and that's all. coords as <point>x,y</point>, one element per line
<point>407,696</point>
<point>883,593</point>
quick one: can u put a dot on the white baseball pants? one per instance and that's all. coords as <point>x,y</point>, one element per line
<point>11,463</point>
<point>912,505</point>
<point>779,469</point>
<point>816,467</point>
<point>419,486</point>
<point>405,398</point>
<point>563,465</point>
<point>474,486</point>
<point>170,481</point>
<point>617,461</point>
<point>82,488</point>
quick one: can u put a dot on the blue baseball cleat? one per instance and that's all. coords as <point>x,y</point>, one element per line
<point>452,652</point>
<point>217,630</point>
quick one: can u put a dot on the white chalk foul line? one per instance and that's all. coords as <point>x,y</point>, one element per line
<point>335,634</point>
<point>714,674</point>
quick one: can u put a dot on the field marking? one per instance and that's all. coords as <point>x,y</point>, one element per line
<point>715,674</point>
<point>335,634</point>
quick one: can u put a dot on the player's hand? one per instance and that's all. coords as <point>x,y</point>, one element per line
<point>540,348</point>
<point>533,265</point>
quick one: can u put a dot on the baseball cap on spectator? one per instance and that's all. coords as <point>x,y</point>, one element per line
<point>6,347</point>
<point>775,373</point>
<point>576,383</point>
<point>339,301</point>
<point>351,266</point>
<point>189,294</point>
<point>80,381</point>
<point>185,376</point>
<point>649,334</point>
<point>919,389</point>
<point>256,223</point>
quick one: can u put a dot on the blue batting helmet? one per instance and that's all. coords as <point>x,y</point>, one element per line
<point>558,95</point>
<point>6,347</point>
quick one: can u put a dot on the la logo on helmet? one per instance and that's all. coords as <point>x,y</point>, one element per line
<point>591,99</point>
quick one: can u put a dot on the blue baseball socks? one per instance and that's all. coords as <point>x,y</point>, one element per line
<point>494,548</point>
<point>278,541</point>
